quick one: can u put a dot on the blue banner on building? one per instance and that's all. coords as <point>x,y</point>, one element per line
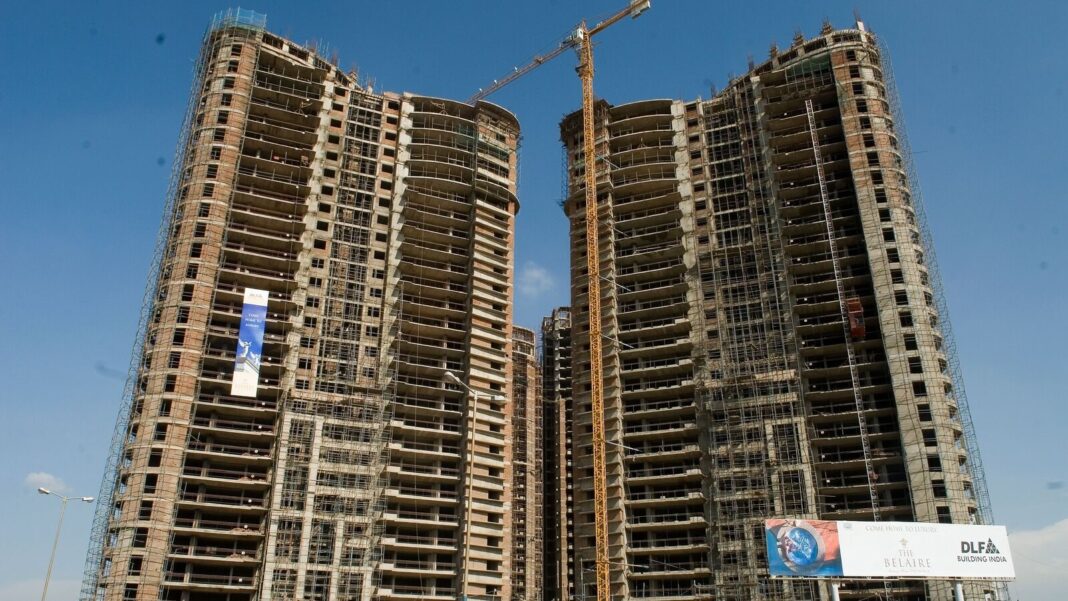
<point>250,343</point>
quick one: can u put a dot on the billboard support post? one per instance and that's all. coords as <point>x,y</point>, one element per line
<point>958,590</point>
<point>834,592</point>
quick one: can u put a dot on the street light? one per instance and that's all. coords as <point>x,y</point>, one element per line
<point>59,527</point>
<point>470,473</point>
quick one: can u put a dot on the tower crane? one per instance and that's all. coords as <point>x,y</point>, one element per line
<point>581,40</point>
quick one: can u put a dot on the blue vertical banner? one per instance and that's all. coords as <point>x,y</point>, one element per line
<point>250,343</point>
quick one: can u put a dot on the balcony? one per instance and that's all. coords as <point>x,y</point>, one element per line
<point>650,309</point>
<point>424,267</point>
<point>286,112</point>
<point>421,495</point>
<point>640,125</point>
<point>674,495</point>
<point>436,428</point>
<point>434,288</point>
<point>664,449</point>
<point>659,408</point>
<point>841,458</point>
<point>245,428</point>
<point>222,450</point>
<point>672,544</point>
<point>276,143</point>
<point>673,472</point>
<point>217,583</point>
<point>418,542</point>
<point>425,567</point>
<point>650,366</point>
<point>407,592</point>
<point>456,178</point>
<point>424,518</point>
<point>239,527</point>
<point>217,554</point>
<point>282,87</point>
<point>255,276</point>
<point>441,156</point>
<point>237,502</point>
<point>223,477</point>
<point>243,405</point>
<point>258,121</point>
<point>415,449</point>
<point>661,430</point>
<point>665,521</point>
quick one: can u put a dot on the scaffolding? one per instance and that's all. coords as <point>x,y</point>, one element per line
<point>944,447</point>
<point>823,384</point>
<point>334,432</point>
<point>840,356</point>
<point>382,256</point>
<point>450,445</point>
<point>158,388</point>
<point>528,469</point>
<point>247,182</point>
<point>844,303</point>
<point>758,446</point>
<point>971,443</point>
<point>558,481</point>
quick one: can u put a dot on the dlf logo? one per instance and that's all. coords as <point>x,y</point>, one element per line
<point>987,547</point>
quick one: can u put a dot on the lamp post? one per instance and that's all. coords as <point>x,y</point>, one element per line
<point>59,528</point>
<point>468,501</point>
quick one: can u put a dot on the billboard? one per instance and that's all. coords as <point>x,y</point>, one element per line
<point>821,548</point>
<point>250,343</point>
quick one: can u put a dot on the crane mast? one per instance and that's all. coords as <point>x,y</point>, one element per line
<point>593,270</point>
<point>581,40</point>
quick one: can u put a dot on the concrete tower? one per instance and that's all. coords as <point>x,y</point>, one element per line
<point>775,342</point>
<point>527,466</point>
<point>327,456</point>
<point>556,453</point>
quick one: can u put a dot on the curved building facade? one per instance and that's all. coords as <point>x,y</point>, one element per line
<point>775,340</point>
<point>378,227</point>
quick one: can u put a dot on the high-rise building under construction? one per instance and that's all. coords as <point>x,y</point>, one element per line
<point>775,340</point>
<point>319,402</point>
<point>558,477</point>
<point>527,468</point>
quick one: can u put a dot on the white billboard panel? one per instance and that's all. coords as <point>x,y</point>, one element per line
<point>919,549</point>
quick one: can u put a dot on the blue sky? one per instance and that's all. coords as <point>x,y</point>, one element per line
<point>90,107</point>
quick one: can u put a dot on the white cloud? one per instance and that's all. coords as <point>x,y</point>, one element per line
<point>31,589</point>
<point>37,480</point>
<point>534,279</point>
<point>1041,559</point>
